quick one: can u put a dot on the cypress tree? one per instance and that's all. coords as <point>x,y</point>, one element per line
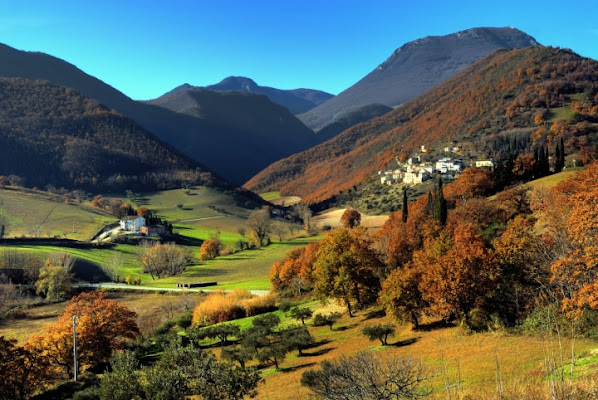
<point>562,156</point>
<point>404,208</point>
<point>440,207</point>
<point>557,158</point>
<point>430,204</point>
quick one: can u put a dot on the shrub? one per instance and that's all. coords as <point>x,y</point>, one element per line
<point>284,305</point>
<point>330,319</point>
<point>222,307</point>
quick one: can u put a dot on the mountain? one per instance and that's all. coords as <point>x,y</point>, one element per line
<point>347,120</point>
<point>297,100</point>
<point>51,135</point>
<point>205,140</point>
<point>508,102</point>
<point>416,67</point>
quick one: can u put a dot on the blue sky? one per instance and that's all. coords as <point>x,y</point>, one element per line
<point>145,48</point>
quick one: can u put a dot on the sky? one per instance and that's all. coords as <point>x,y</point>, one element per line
<point>146,48</point>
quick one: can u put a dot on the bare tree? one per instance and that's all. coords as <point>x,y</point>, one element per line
<point>113,266</point>
<point>367,376</point>
<point>279,230</point>
<point>305,214</point>
<point>242,231</point>
<point>260,225</point>
<point>64,260</point>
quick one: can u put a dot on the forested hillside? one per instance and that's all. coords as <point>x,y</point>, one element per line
<point>506,104</point>
<point>207,141</point>
<point>55,135</point>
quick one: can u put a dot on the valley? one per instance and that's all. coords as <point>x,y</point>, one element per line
<point>423,229</point>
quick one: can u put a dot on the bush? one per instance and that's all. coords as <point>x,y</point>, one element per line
<point>222,307</point>
<point>184,321</point>
<point>330,319</point>
<point>284,305</point>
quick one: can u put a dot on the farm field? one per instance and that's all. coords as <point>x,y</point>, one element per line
<point>35,213</point>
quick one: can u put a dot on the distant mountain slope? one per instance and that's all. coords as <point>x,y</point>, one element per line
<point>352,118</point>
<point>490,108</point>
<point>297,100</point>
<point>416,67</point>
<point>54,135</point>
<point>205,140</point>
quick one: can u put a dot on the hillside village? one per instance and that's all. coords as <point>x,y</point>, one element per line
<point>414,170</point>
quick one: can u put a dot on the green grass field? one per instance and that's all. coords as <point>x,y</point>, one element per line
<point>269,196</point>
<point>31,213</point>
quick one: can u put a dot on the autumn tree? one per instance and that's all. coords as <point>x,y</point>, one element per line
<point>210,249</point>
<point>577,273</point>
<point>458,272</point>
<point>348,268</point>
<point>103,326</point>
<point>144,212</point>
<point>22,371</point>
<point>54,281</point>
<point>401,297</point>
<point>164,260</point>
<point>295,272</point>
<point>99,201</point>
<point>351,218</point>
<point>260,225</point>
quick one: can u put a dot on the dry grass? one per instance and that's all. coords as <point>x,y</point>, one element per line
<point>333,219</point>
<point>465,362</point>
<point>152,309</point>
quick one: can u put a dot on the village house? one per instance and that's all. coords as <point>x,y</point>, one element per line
<point>445,165</point>
<point>132,223</point>
<point>484,164</point>
<point>415,177</point>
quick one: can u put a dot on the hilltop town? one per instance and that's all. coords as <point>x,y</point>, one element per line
<point>416,169</point>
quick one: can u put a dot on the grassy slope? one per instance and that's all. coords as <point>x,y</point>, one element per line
<point>30,209</point>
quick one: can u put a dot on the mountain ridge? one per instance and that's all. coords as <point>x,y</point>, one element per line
<point>488,106</point>
<point>415,67</point>
<point>207,142</point>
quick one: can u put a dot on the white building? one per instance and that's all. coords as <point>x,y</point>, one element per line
<point>484,164</point>
<point>412,178</point>
<point>132,223</point>
<point>445,165</point>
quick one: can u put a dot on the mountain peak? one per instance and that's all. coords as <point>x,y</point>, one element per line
<point>235,83</point>
<point>416,67</point>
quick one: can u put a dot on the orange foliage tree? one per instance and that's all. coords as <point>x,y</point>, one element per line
<point>296,270</point>
<point>209,249</point>
<point>103,326</point>
<point>458,272</point>
<point>21,371</point>
<point>577,273</point>
<point>351,218</point>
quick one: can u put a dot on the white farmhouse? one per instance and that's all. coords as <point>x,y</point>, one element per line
<point>484,164</point>
<point>132,223</point>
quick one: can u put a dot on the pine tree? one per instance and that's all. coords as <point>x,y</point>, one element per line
<point>430,204</point>
<point>404,208</point>
<point>440,207</point>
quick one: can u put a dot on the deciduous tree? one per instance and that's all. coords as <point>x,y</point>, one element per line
<point>351,218</point>
<point>348,268</point>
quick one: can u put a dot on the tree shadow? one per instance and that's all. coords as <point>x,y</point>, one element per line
<point>374,315</point>
<point>296,367</point>
<point>405,342</point>
<point>441,324</point>
<point>316,353</point>
<point>345,327</point>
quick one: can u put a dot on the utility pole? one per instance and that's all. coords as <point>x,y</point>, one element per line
<point>75,346</point>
